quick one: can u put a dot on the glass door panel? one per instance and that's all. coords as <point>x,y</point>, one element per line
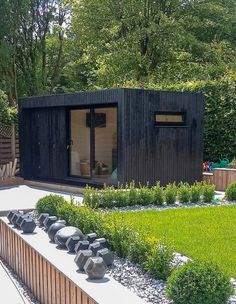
<point>104,122</point>
<point>80,143</point>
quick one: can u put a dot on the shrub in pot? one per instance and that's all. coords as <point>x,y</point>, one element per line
<point>199,283</point>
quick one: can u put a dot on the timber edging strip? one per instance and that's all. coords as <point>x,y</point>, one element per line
<point>51,273</point>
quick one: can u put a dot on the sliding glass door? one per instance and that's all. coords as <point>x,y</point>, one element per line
<point>93,152</point>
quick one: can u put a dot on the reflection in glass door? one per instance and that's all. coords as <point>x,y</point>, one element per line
<point>93,151</point>
<point>80,144</point>
<point>105,144</point>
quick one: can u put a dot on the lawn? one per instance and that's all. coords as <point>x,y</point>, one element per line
<point>200,233</point>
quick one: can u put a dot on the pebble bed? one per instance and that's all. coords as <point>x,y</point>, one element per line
<point>177,205</point>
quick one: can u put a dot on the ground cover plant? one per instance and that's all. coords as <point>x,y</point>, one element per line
<point>204,233</point>
<point>130,195</point>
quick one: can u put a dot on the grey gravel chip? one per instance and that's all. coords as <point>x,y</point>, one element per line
<point>95,268</point>
<point>91,237</point>
<point>95,247</point>
<point>49,221</point>
<point>102,241</point>
<point>41,218</point>
<point>107,255</point>
<point>81,245</point>
<point>71,242</point>
<point>82,257</point>
<point>28,225</point>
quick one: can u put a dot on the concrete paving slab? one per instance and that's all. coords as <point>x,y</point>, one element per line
<point>9,292</point>
<point>25,197</point>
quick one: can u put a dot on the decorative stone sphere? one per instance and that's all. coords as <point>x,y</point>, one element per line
<point>54,228</point>
<point>63,235</point>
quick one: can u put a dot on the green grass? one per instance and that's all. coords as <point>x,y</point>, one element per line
<point>200,233</point>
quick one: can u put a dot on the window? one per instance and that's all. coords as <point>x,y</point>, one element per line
<point>164,118</point>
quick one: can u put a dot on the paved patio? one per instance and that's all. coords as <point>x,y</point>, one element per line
<point>25,197</point>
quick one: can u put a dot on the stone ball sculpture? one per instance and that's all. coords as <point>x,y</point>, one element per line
<point>82,257</point>
<point>91,237</point>
<point>63,235</point>
<point>72,242</point>
<point>41,218</point>
<point>49,221</point>
<point>95,268</point>
<point>107,255</point>
<point>28,225</point>
<point>54,228</point>
<point>95,247</point>
<point>81,245</point>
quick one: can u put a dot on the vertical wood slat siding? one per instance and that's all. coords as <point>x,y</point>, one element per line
<point>145,152</point>
<point>46,283</point>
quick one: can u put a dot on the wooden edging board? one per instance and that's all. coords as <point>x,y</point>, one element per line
<point>51,274</point>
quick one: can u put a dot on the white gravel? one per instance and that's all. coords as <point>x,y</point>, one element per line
<point>177,205</point>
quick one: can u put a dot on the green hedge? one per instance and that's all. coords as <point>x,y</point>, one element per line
<point>139,247</point>
<point>129,195</point>
<point>199,283</point>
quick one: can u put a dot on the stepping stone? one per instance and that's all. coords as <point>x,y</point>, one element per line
<point>41,218</point>
<point>82,257</point>
<point>72,242</point>
<point>28,225</point>
<point>95,268</point>
<point>107,255</point>
<point>54,228</point>
<point>91,237</point>
<point>49,220</point>
<point>81,245</point>
<point>95,247</point>
<point>65,233</point>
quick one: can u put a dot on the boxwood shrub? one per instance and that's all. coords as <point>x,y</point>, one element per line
<point>138,246</point>
<point>199,283</point>
<point>230,192</point>
<point>49,204</point>
<point>130,195</point>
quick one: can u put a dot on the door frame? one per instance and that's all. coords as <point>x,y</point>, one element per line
<point>92,108</point>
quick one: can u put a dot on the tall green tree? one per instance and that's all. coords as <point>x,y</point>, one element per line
<point>31,41</point>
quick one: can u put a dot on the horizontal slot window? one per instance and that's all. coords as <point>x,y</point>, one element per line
<point>170,118</point>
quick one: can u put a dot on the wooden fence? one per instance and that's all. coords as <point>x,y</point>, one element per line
<point>9,150</point>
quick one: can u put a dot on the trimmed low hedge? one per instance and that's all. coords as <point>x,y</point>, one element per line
<point>199,283</point>
<point>129,195</point>
<point>230,192</point>
<point>139,247</point>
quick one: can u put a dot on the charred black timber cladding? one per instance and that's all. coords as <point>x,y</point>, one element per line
<point>145,152</point>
